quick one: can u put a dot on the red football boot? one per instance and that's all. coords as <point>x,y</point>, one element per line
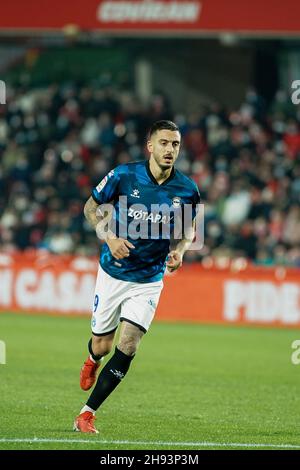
<point>85,423</point>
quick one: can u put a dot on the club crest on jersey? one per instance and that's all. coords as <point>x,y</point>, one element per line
<point>176,201</point>
<point>135,193</point>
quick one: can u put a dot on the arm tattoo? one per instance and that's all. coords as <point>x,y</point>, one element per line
<point>90,210</point>
<point>100,222</point>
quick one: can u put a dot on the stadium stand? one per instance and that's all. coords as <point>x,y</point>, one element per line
<point>56,142</point>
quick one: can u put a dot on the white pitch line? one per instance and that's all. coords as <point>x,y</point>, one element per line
<point>35,440</point>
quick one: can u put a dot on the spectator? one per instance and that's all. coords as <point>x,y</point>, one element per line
<point>57,142</point>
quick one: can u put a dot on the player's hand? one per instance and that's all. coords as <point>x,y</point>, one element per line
<point>119,247</point>
<point>174,261</point>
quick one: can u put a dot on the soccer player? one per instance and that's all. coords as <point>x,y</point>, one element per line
<point>133,262</point>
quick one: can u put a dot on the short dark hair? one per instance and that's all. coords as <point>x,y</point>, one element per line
<point>159,125</point>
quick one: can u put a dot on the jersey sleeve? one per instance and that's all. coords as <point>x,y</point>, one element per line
<point>107,189</point>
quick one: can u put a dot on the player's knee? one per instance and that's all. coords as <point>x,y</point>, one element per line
<point>128,345</point>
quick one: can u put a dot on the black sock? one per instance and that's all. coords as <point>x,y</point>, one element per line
<point>110,376</point>
<point>96,358</point>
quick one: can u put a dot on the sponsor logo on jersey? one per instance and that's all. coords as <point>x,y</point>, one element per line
<point>156,221</point>
<point>104,181</point>
<point>144,215</point>
<point>102,184</point>
<point>135,193</point>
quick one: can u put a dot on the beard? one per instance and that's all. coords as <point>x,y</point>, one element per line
<point>165,164</point>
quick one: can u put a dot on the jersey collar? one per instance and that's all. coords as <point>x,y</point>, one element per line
<point>172,174</point>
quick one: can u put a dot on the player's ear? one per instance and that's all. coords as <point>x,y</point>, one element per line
<point>149,146</point>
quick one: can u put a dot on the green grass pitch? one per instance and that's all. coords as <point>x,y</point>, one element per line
<point>189,387</point>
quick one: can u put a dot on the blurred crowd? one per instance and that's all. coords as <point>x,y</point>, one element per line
<point>57,142</point>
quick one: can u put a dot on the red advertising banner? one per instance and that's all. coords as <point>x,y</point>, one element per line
<point>260,296</point>
<point>140,16</point>
<point>43,283</point>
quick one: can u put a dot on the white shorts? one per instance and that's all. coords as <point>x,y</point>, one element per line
<point>117,300</point>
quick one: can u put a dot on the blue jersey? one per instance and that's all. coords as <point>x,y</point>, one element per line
<point>144,213</point>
